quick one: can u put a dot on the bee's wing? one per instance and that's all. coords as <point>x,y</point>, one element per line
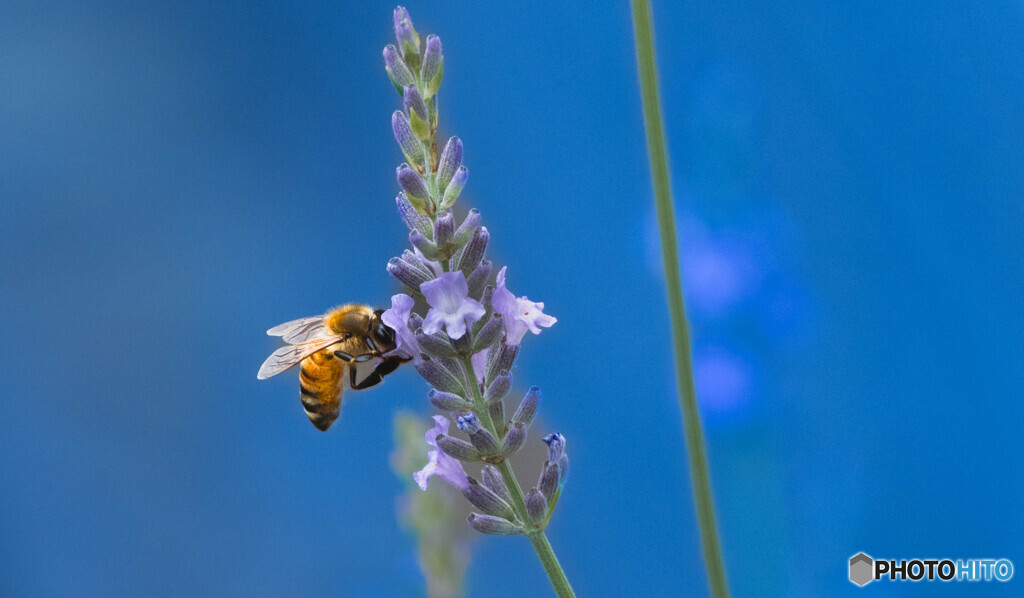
<point>301,335</point>
<point>289,355</point>
<point>295,326</point>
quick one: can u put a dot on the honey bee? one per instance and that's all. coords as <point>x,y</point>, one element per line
<point>351,337</point>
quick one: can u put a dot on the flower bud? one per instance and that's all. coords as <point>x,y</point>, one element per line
<point>420,261</point>
<point>458,448</point>
<point>536,506</point>
<point>514,439</point>
<point>528,407</point>
<point>408,39</point>
<point>556,446</point>
<point>454,188</point>
<point>474,251</point>
<point>433,63</point>
<point>498,388</point>
<point>439,377</point>
<point>494,526</point>
<point>397,69</point>
<point>476,282</point>
<point>563,469</point>
<point>410,143</point>
<point>486,500</point>
<point>435,345</point>
<point>500,360</point>
<point>407,274</point>
<point>451,160</point>
<point>468,423</point>
<point>412,183</point>
<point>415,321</point>
<point>548,483</point>
<point>468,227</point>
<point>419,119</point>
<point>446,401</point>
<point>412,218</point>
<point>481,437</point>
<point>444,228</point>
<point>493,480</point>
<point>496,409</point>
<point>425,245</point>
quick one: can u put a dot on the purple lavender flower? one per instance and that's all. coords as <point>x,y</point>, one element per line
<point>440,463</point>
<point>397,318</point>
<point>450,305</point>
<point>520,314</point>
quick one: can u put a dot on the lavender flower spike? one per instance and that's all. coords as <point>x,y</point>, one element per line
<point>465,343</point>
<point>450,305</point>
<point>440,463</point>
<point>520,314</point>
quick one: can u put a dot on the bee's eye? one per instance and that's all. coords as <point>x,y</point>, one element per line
<point>384,335</point>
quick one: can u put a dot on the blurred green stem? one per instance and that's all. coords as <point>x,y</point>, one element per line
<point>657,152</point>
<point>545,552</point>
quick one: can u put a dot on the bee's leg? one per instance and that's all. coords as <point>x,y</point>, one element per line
<point>343,356</point>
<point>385,367</point>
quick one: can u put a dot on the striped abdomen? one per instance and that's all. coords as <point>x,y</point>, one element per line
<point>320,379</point>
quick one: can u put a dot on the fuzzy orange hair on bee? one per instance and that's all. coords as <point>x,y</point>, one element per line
<point>351,338</point>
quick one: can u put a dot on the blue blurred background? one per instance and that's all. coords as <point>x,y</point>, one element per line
<point>177,177</point>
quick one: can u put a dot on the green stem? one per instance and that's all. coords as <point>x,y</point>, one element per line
<point>551,565</point>
<point>656,149</point>
<point>540,542</point>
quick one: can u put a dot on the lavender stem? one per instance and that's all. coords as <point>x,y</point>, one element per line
<point>656,149</point>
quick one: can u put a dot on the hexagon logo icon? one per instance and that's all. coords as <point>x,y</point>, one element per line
<point>861,566</point>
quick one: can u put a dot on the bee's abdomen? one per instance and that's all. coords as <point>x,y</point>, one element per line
<point>320,388</point>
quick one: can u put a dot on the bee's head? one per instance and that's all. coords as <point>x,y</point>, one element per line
<point>382,335</point>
